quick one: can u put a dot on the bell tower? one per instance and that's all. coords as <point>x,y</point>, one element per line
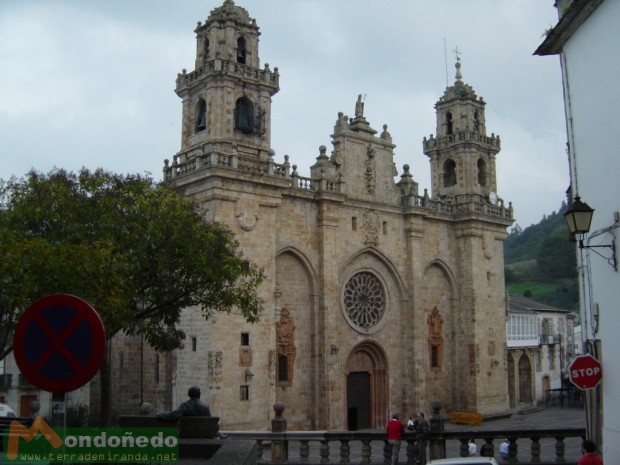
<point>227,98</point>
<point>462,156</point>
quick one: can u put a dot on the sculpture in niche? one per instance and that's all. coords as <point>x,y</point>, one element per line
<point>285,348</point>
<point>435,338</point>
<point>371,227</point>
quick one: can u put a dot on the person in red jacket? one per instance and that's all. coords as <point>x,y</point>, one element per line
<point>590,457</point>
<point>395,430</point>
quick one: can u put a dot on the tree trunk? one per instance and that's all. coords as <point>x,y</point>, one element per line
<point>105,376</point>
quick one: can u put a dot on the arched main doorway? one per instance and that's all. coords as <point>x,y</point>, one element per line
<point>367,377</point>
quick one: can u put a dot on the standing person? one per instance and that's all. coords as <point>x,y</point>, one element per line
<point>395,430</point>
<point>411,425</point>
<point>422,437</point>
<point>590,457</point>
<point>486,450</point>
<point>473,450</point>
<point>503,449</point>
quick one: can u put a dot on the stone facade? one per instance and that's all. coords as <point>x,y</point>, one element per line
<point>376,299</point>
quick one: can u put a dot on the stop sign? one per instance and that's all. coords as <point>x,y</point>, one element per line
<point>585,371</point>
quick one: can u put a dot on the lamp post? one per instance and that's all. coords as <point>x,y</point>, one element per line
<point>578,218</point>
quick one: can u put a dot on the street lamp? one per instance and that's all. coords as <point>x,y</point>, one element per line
<point>578,219</point>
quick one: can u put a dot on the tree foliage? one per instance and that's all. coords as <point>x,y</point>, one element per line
<point>542,259</point>
<point>137,251</point>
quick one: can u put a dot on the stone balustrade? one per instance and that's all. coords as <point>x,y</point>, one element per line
<point>465,204</point>
<point>371,447</point>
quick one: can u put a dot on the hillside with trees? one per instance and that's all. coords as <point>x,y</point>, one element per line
<point>541,262</point>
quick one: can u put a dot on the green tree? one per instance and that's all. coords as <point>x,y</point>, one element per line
<point>557,256</point>
<point>137,251</point>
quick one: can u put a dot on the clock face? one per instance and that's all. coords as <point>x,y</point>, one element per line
<point>493,198</point>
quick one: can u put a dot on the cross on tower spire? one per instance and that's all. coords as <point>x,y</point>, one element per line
<point>457,65</point>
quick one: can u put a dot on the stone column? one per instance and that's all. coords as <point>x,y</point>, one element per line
<point>279,445</point>
<point>437,446</point>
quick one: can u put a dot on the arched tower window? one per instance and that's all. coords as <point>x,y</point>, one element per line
<point>244,116</point>
<point>241,50</point>
<point>201,115</point>
<point>448,123</point>
<point>449,173</point>
<point>476,121</point>
<point>482,172</point>
<point>207,49</point>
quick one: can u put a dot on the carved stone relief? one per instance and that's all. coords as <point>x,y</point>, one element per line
<point>371,227</point>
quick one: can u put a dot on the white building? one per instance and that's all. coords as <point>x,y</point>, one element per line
<point>586,40</point>
<point>540,341</point>
<point>17,392</point>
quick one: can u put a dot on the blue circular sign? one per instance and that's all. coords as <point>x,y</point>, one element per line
<point>59,343</point>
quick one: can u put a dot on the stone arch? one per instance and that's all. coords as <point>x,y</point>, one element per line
<point>449,173</point>
<point>438,290</point>
<point>201,115</point>
<point>244,115</point>
<point>447,271</point>
<point>482,172</point>
<point>476,121</point>
<point>381,258</point>
<point>366,406</point>
<point>295,290</point>
<point>299,255</point>
<point>374,267</point>
<point>525,379</point>
<point>241,50</point>
<point>449,123</point>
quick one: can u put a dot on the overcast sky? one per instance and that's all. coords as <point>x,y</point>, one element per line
<point>91,82</point>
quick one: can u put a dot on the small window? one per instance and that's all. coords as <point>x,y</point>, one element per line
<point>476,121</point>
<point>354,223</point>
<point>207,49</point>
<point>245,339</point>
<point>434,356</point>
<point>157,368</point>
<point>194,342</point>
<point>244,392</point>
<point>385,228</point>
<point>282,368</point>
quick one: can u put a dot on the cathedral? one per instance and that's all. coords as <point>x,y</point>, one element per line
<point>378,298</point>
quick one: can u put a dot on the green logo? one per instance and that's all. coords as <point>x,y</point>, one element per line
<point>42,444</point>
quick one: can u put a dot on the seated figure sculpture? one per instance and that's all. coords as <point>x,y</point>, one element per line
<point>192,407</point>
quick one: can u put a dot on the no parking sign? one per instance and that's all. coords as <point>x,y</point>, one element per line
<point>59,343</point>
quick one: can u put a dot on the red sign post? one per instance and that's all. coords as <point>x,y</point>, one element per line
<point>585,372</point>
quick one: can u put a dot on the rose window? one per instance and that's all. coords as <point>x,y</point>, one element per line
<point>364,300</point>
